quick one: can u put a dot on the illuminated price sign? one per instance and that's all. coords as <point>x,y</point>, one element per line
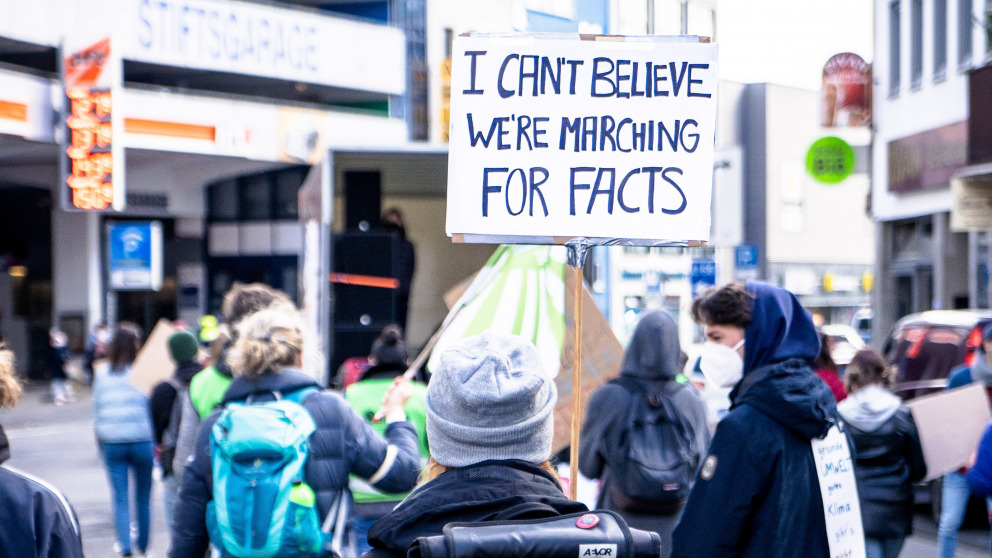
<point>89,182</point>
<point>830,160</point>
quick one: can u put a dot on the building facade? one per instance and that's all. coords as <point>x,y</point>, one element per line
<point>932,107</point>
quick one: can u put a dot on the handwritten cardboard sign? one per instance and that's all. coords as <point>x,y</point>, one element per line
<point>153,363</point>
<point>839,490</point>
<point>561,136</point>
<point>950,424</point>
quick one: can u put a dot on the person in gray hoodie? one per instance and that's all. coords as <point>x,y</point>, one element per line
<point>888,458</point>
<point>652,361</point>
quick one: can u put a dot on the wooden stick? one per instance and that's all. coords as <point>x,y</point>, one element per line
<point>573,482</point>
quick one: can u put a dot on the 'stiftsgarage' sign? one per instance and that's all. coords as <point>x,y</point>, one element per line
<point>554,137</point>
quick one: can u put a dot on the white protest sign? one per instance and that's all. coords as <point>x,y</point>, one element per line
<point>839,490</point>
<point>560,136</point>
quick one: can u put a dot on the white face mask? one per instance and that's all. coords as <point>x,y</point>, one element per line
<point>720,364</point>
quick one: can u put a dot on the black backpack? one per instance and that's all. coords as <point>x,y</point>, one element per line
<point>658,457</point>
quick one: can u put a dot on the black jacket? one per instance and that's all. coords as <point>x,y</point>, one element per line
<point>488,491</point>
<point>888,459</point>
<point>36,521</point>
<point>652,360</point>
<point>758,494</point>
<point>342,444</point>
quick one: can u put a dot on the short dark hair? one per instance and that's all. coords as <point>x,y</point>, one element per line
<point>123,348</point>
<point>824,360</point>
<point>244,299</point>
<point>730,304</point>
<point>867,367</point>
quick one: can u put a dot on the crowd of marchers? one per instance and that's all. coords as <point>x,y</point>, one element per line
<point>258,459</point>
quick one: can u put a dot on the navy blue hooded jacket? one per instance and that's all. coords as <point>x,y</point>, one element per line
<point>757,494</point>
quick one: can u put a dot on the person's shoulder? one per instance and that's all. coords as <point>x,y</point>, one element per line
<point>959,376</point>
<point>36,493</point>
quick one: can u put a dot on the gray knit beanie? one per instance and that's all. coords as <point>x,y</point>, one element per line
<point>490,399</point>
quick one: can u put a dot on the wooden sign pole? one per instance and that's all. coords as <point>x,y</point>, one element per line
<point>576,256</point>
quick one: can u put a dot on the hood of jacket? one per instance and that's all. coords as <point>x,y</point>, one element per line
<point>487,491</point>
<point>790,394</point>
<point>285,380</point>
<point>780,329</point>
<point>869,408</point>
<point>653,352</point>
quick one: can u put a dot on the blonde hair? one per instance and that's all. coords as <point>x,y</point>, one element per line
<point>433,470</point>
<point>10,386</point>
<point>267,341</point>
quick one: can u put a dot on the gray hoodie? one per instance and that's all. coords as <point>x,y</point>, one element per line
<point>869,408</point>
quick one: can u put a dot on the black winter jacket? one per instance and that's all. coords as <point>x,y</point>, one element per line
<point>888,459</point>
<point>757,494</point>
<point>342,444</point>
<point>651,360</point>
<point>489,491</point>
<point>36,521</point>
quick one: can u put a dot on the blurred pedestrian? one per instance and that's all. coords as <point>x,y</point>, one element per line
<point>826,369</point>
<point>888,458</point>
<point>388,357</point>
<point>651,364</point>
<point>36,520</point>
<point>490,420</point>
<point>758,493</point>
<point>95,351</point>
<point>955,491</point>
<point>265,360</point>
<point>125,434</point>
<point>207,388</point>
<point>165,407</point>
<point>58,357</point>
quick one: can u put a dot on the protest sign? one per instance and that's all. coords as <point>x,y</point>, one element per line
<point>153,363</point>
<point>950,424</point>
<point>555,137</point>
<point>839,491</point>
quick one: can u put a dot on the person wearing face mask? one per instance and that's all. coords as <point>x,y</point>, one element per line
<point>757,493</point>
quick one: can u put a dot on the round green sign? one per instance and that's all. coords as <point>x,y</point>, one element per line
<point>830,160</point>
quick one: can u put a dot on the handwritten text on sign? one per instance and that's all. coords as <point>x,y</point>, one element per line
<point>838,488</point>
<point>557,136</point>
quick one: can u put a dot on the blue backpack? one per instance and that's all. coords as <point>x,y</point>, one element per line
<point>261,506</point>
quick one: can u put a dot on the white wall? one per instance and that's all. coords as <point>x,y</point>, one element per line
<point>76,272</point>
<point>808,221</point>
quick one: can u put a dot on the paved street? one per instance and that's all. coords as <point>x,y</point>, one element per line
<point>57,444</point>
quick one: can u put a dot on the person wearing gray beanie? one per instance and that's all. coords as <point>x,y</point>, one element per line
<point>490,420</point>
<point>491,399</point>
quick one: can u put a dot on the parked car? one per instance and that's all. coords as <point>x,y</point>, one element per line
<point>862,323</point>
<point>926,346</point>
<point>844,342</point>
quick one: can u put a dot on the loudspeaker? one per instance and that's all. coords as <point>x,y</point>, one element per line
<point>362,199</point>
<point>360,311</point>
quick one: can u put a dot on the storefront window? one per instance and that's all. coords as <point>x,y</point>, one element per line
<point>287,189</point>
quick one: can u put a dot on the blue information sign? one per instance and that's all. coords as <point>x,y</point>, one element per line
<point>702,275</point>
<point>135,255</point>
<point>746,256</point>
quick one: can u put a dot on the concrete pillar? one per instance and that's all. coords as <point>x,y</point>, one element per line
<point>77,270</point>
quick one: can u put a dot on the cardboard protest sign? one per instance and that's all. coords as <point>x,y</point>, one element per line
<point>950,424</point>
<point>839,492</point>
<point>153,363</point>
<point>602,355</point>
<point>562,136</point>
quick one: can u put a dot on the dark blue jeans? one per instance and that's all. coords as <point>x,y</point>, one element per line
<point>122,458</point>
